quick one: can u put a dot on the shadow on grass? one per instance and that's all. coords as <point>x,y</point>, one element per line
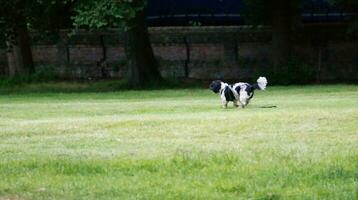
<point>18,85</point>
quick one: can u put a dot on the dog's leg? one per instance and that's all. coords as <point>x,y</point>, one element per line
<point>244,97</point>
<point>223,100</point>
<point>243,102</point>
<point>225,104</point>
<point>238,104</point>
<point>235,103</point>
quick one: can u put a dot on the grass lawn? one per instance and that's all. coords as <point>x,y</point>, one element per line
<point>180,144</point>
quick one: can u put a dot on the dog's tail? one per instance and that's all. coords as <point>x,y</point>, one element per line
<point>261,83</point>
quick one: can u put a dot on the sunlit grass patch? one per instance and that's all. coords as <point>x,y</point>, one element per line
<point>180,144</point>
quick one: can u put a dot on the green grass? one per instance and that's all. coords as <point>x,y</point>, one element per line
<point>179,144</point>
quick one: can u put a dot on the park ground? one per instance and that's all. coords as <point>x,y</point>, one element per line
<point>178,144</point>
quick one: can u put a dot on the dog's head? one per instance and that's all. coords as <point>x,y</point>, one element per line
<point>215,86</point>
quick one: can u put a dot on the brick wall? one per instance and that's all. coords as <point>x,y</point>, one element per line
<point>206,53</point>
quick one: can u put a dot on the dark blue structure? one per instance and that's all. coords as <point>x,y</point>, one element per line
<point>227,12</point>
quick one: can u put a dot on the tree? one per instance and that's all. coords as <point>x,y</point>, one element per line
<point>281,15</point>
<point>14,29</point>
<point>349,6</point>
<point>17,18</point>
<point>50,17</point>
<point>128,15</point>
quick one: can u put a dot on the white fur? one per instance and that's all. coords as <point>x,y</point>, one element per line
<point>262,82</point>
<point>239,84</point>
<point>242,97</point>
<point>222,94</point>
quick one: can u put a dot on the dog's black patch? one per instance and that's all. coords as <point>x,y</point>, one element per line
<point>229,95</point>
<point>250,90</point>
<point>238,90</point>
<point>215,86</point>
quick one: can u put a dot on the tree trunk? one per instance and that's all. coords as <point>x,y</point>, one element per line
<point>143,68</point>
<point>281,31</point>
<point>26,52</point>
<point>14,60</point>
<point>19,54</point>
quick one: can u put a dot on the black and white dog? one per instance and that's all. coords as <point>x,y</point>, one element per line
<point>238,93</point>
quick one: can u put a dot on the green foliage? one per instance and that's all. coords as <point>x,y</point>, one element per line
<point>258,12</point>
<point>46,83</point>
<point>51,16</point>
<point>33,14</point>
<point>353,28</point>
<point>106,13</point>
<point>24,85</point>
<point>350,6</point>
<point>43,73</point>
